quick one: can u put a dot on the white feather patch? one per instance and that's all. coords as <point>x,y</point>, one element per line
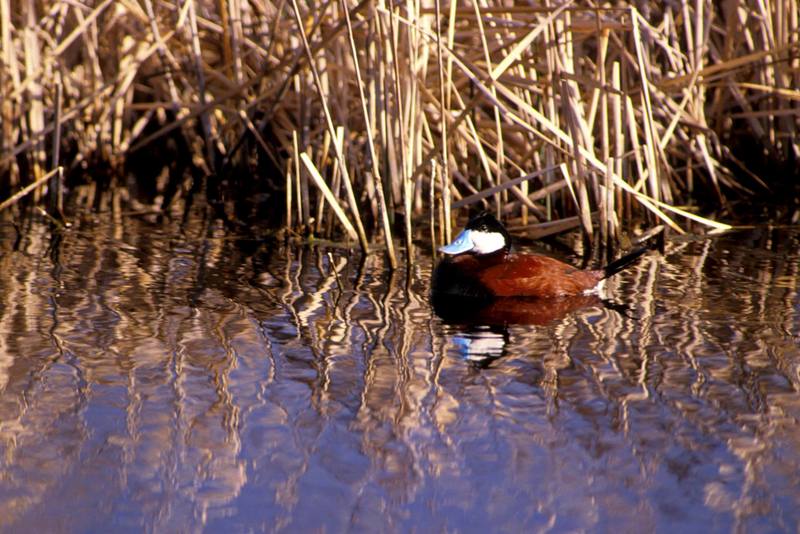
<point>487,242</point>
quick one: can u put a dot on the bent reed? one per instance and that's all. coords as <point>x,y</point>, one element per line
<point>378,115</point>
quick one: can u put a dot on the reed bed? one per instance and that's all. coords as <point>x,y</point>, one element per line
<point>381,116</point>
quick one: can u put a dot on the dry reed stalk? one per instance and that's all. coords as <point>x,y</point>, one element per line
<point>337,209</point>
<point>337,179</point>
<point>651,137</point>
<point>471,199</point>
<point>577,128</point>
<point>432,208</point>
<point>362,237</point>
<point>606,205</point>
<point>237,40</point>
<point>196,54</point>
<point>33,65</point>
<point>373,156</point>
<point>489,167</point>
<point>9,81</point>
<point>498,148</point>
<point>323,154</point>
<point>297,177</point>
<point>13,199</point>
<point>615,194</point>
<point>289,168</point>
<point>162,51</point>
<point>56,186</point>
<point>418,54</point>
<point>444,106</point>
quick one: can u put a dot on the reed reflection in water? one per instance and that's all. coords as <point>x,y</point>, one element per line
<point>171,377</point>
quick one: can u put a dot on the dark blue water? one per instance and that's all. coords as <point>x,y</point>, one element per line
<point>172,376</point>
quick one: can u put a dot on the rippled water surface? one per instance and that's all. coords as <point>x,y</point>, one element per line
<point>170,376</point>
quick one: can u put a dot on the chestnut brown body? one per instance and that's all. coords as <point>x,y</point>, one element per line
<point>511,275</point>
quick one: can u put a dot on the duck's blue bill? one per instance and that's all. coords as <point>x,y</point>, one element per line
<point>462,243</point>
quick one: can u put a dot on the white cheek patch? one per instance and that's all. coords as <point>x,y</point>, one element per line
<point>487,242</point>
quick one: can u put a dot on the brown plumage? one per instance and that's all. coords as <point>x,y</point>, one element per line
<point>510,275</point>
<point>536,276</point>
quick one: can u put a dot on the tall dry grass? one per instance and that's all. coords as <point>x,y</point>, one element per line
<point>382,114</point>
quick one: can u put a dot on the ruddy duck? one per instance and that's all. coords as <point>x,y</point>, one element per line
<point>479,263</point>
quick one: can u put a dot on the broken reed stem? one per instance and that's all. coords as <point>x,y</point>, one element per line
<point>323,187</point>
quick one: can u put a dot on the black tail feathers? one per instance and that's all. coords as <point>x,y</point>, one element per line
<point>619,264</point>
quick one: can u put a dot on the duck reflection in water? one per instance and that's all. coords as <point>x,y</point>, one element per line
<point>511,310</point>
<point>480,282</point>
<point>479,327</point>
